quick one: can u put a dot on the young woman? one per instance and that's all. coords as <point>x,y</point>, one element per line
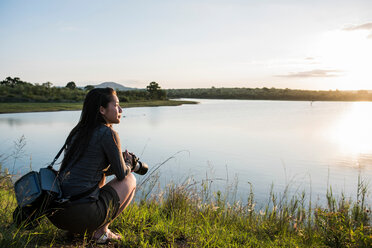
<point>93,152</point>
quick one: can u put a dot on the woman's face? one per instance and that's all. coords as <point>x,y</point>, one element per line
<point>112,113</point>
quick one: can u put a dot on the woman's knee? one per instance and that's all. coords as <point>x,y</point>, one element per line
<point>128,184</point>
<point>124,188</point>
<point>131,180</point>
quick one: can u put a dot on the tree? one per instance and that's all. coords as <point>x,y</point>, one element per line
<point>11,81</point>
<point>47,85</point>
<point>5,82</point>
<point>88,87</point>
<point>155,91</point>
<point>153,87</point>
<point>71,85</point>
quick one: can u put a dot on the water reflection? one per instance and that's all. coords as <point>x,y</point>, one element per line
<point>352,131</point>
<point>360,162</point>
<point>11,121</point>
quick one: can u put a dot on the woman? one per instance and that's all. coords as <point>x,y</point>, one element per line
<point>93,152</point>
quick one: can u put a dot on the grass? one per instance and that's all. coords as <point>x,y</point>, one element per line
<point>37,107</point>
<point>54,106</point>
<point>184,216</point>
<point>189,214</point>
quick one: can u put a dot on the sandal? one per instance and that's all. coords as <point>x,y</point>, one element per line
<point>107,237</point>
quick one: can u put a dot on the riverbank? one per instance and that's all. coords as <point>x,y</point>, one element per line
<point>271,94</point>
<point>190,215</point>
<point>61,106</point>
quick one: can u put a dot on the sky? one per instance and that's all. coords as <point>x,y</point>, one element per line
<point>317,44</point>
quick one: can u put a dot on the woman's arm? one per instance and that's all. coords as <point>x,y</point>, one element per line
<point>112,147</point>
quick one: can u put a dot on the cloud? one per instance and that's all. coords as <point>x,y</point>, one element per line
<point>365,26</point>
<point>311,61</point>
<point>312,73</point>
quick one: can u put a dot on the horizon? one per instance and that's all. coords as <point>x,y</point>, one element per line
<point>369,90</point>
<point>140,88</point>
<point>307,45</point>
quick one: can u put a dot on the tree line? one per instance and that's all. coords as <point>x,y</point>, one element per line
<point>16,90</point>
<point>270,94</point>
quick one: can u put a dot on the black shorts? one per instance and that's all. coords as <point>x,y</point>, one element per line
<point>89,216</point>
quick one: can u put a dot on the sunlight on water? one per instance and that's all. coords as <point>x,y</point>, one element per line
<point>311,146</point>
<point>352,132</point>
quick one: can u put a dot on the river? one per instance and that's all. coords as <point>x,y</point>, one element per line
<point>309,146</point>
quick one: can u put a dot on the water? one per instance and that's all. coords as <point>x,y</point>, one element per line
<point>306,145</point>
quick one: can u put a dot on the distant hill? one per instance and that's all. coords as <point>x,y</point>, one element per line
<point>115,86</point>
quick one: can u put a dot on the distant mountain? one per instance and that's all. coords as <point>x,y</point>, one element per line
<point>114,85</point>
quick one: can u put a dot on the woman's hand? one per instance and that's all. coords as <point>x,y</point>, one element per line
<point>128,158</point>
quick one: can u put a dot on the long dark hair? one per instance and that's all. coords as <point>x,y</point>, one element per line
<point>90,118</point>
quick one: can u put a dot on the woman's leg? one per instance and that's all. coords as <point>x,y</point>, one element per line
<point>125,190</point>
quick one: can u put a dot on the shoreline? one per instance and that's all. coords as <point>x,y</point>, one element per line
<point>26,107</point>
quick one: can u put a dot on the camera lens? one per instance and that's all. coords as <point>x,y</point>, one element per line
<point>141,168</point>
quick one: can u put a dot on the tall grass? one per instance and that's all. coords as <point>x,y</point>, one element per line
<point>190,214</point>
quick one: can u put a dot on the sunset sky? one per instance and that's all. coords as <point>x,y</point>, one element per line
<point>316,44</point>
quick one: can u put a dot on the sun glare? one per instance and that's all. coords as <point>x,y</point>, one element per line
<point>349,52</point>
<point>352,132</point>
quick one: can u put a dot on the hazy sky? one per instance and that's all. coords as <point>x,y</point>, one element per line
<point>315,44</point>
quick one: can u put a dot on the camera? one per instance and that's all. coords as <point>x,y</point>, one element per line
<point>138,166</point>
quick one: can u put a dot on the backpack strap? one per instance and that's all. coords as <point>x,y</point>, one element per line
<point>57,156</point>
<point>77,197</point>
<point>82,195</point>
<point>74,197</point>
